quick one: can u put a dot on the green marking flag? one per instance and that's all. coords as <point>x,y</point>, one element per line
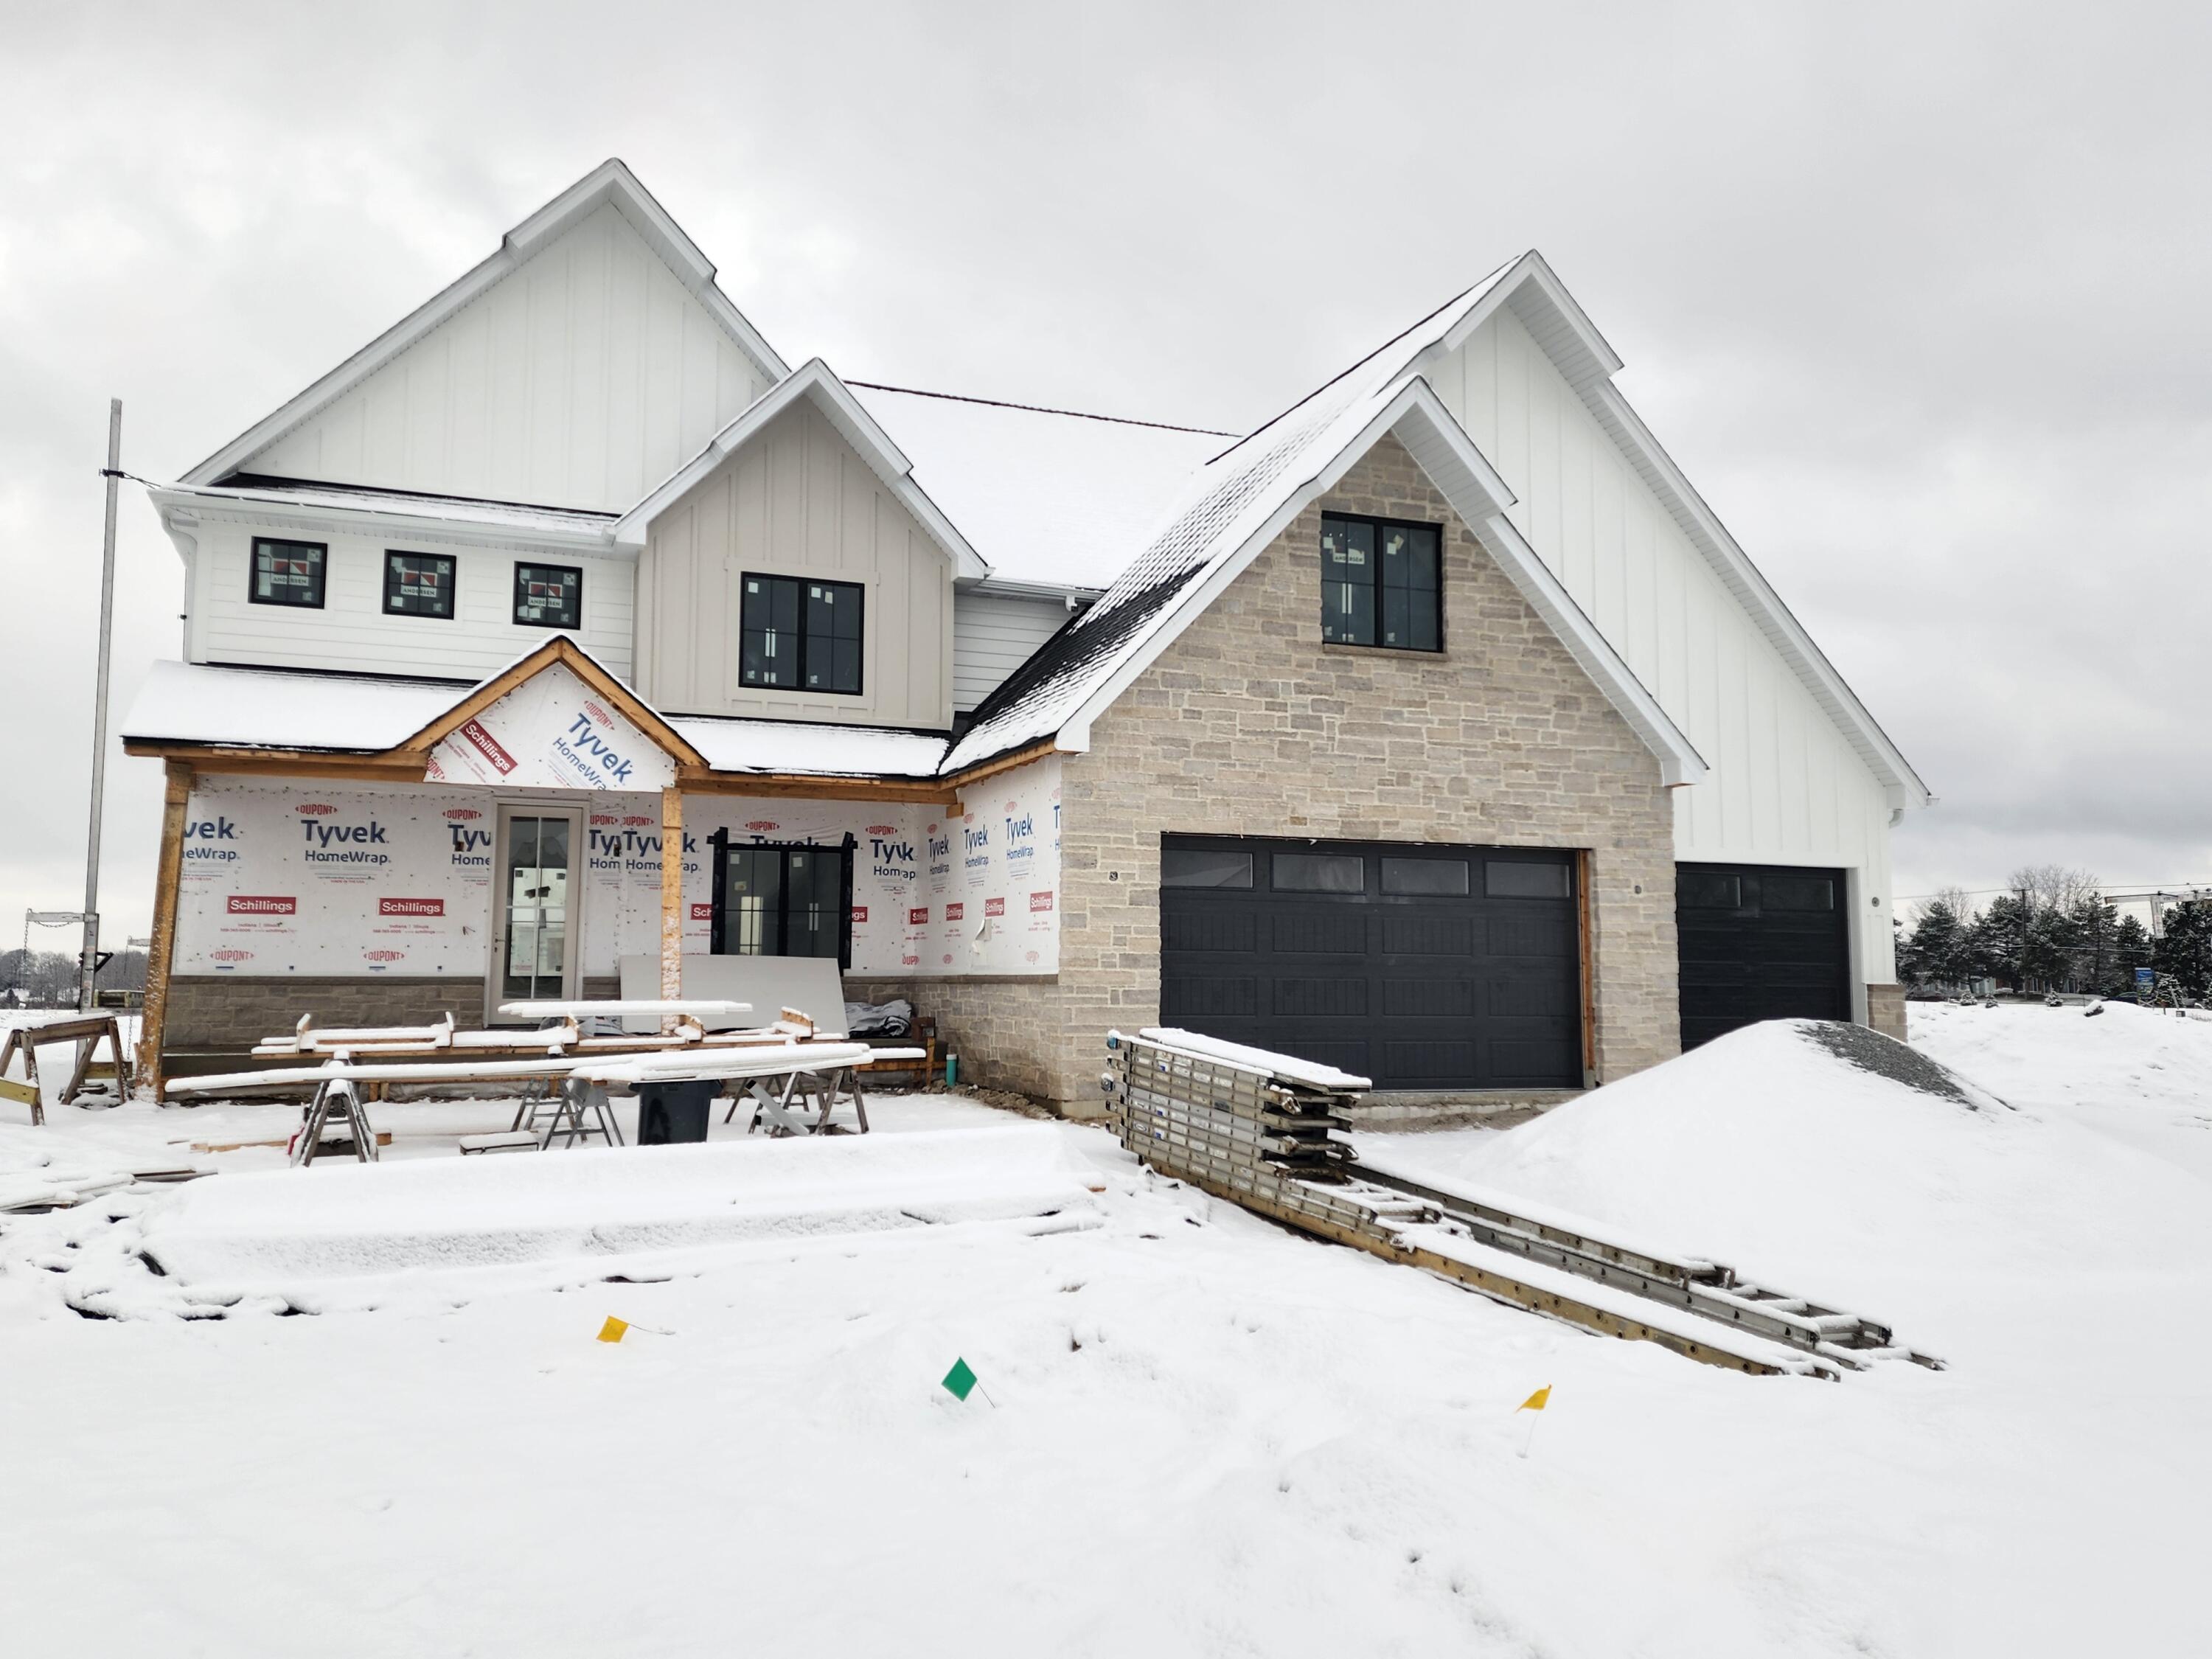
<point>959,1380</point>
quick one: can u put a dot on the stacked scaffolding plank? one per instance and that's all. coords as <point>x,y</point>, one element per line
<point>1258,1135</point>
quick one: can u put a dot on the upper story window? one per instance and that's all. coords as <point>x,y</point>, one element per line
<point>288,573</point>
<point>549,596</point>
<point>418,584</point>
<point>1381,584</point>
<point>801,635</point>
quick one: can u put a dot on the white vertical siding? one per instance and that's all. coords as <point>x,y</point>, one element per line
<point>583,379</point>
<point>352,635</point>
<point>1786,786</point>
<point>993,635</point>
<point>796,501</point>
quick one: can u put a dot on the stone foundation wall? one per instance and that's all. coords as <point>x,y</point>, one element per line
<point>1885,1009</point>
<point>228,1013</point>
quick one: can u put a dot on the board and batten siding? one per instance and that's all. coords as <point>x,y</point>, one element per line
<point>583,379</point>
<point>351,633</point>
<point>796,501</point>
<point>995,634</point>
<point>1786,786</point>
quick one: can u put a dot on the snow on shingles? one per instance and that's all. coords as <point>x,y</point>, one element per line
<point>1043,497</point>
<point>738,745</point>
<point>1228,504</point>
<point>195,702</point>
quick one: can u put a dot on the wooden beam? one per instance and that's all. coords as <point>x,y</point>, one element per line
<point>1036,752</point>
<point>671,903</point>
<point>559,650</point>
<point>161,952</point>
<point>288,764</point>
<point>697,781</point>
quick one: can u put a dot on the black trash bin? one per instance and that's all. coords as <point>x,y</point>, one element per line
<point>670,1112</point>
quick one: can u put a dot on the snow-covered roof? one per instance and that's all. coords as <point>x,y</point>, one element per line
<point>394,510</point>
<point>610,182</point>
<point>188,702</point>
<point>1047,497</point>
<point>1245,498</point>
<point>789,747</point>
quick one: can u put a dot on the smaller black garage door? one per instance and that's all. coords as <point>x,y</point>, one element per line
<point>1421,967</point>
<point>1759,941</point>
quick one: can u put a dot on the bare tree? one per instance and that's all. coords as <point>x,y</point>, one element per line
<point>2052,887</point>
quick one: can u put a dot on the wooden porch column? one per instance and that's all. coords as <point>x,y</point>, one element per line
<point>672,899</point>
<point>160,951</point>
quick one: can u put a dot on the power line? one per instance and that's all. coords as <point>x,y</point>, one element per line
<point>1039,409</point>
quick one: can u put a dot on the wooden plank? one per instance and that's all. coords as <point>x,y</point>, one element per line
<point>282,763</point>
<point>1005,763</point>
<point>25,1094</point>
<point>697,781</point>
<point>160,953</point>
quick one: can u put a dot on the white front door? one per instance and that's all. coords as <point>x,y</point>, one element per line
<point>537,887</point>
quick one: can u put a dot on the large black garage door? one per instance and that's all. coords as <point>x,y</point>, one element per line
<point>1419,967</point>
<point>1760,942</point>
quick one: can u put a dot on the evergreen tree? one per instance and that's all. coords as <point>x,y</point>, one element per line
<point>2000,940</point>
<point>2183,953</point>
<point>2095,922</point>
<point>1938,950</point>
<point>2130,950</point>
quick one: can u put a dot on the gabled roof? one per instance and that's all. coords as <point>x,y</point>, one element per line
<point>578,661</point>
<point>610,182</point>
<point>816,382</point>
<point>1245,498</point>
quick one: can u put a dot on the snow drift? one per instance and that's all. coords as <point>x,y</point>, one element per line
<point>281,1230</point>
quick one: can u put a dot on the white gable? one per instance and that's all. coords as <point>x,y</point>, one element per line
<point>581,377</point>
<point>552,731</point>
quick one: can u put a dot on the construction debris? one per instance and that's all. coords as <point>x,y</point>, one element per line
<point>1254,1129</point>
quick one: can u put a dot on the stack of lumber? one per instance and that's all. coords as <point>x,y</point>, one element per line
<point>1227,1115</point>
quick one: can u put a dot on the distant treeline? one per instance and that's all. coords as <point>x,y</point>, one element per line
<point>47,979</point>
<point>2054,932</point>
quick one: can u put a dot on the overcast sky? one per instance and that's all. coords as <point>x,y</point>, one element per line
<point>1916,295</point>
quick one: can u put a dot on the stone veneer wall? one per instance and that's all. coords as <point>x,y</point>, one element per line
<point>1885,1009</point>
<point>228,1013</point>
<point>1248,724</point>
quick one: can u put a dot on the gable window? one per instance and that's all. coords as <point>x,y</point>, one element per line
<point>801,635</point>
<point>288,573</point>
<point>1381,584</point>
<point>548,596</point>
<point>418,584</point>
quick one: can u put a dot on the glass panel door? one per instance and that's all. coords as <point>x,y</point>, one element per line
<point>536,915</point>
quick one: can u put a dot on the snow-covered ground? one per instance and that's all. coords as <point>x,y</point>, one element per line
<point>1195,1434</point>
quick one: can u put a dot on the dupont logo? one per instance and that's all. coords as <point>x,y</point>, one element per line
<point>873,830</point>
<point>597,713</point>
<point>1028,956</point>
<point>248,904</point>
<point>948,959</point>
<point>702,913</point>
<point>911,962</point>
<point>917,916</point>
<point>232,955</point>
<point>637,821</point>
<point>763,823</point>
<point>859,913</point>
<point>994,907</point>
<point>315,809</point>
<point>1013,806</point>
<point>459,813</point>
<point>956,912</point>
<point>395,907</point>
<point>473,734</point>
<point>384,955</point>
<point>605,817</point>
<point>1039,902</point>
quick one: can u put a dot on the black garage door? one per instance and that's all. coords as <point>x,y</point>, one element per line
<point>1760,942</point>
<point>1419,967</point>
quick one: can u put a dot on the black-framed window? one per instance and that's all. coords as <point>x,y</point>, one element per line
<point>1381,583</point>
<point>799,635</point>
<point>288,573</point>
<point>786,900</point>
<point>418,584</point>
<point>548,596</point>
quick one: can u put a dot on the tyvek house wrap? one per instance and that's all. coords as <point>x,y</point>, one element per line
<point>299,877</point>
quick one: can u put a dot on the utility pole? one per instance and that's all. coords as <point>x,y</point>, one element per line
<point>112,473</point>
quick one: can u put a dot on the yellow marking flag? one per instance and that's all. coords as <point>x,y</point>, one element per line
<point>612,1330</point>
<point>1535,1402</point>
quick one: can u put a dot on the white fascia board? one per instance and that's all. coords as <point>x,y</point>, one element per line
<point>611,180</point>
<point>816,380</point>
<point>1014,588</point>
<point>1534,292</point>
<point>187,508</point>
<point>1902,785</point>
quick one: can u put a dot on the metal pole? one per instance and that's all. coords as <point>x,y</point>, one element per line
<point>112,472</point>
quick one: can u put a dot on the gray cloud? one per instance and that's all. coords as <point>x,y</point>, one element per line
<point>1914,293</point>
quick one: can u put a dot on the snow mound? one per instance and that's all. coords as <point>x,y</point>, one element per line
<point>1844,1172</point>
<point>286,1231</point>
